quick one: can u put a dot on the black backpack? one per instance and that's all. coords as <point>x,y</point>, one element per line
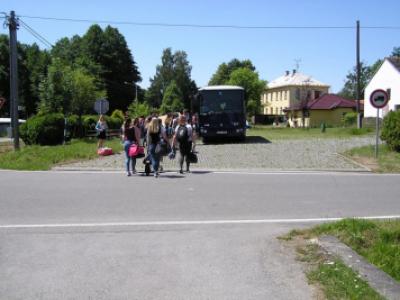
<point>182,134</point>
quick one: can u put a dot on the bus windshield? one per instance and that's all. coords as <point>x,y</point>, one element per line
<point>219,101</point>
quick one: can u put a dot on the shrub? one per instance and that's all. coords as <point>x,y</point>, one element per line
<point>114,123</point>
<point>350,119</point>
<point>89,121</point>
<point>118,114</point>
<point>44,130</point>
<point>391,130</point>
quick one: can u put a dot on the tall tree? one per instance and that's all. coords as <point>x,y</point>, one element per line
<point>174,67</point>
<point>224,71</point>
<point>396,51</point>
<point>349,91</point>
<point>172,100</point>
<point>252,85</point>
<point>119,72</point>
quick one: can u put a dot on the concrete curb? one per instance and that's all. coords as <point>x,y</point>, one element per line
<point>354,162</point>
<point>377,279</point>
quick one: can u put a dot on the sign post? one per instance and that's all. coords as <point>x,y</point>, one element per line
<point>378,99</point>
<point>101,106</point>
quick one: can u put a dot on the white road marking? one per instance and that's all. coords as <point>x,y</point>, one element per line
<point>204,222</point>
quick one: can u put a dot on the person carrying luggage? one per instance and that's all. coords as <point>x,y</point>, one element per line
<point>184,137</point>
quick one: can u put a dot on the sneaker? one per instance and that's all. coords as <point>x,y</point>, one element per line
<point>133,171</point>
<point>156,174</point>
<point>180,171</point>
<point>128,174</point>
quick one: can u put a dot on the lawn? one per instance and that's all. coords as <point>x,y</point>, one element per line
<point>281,133</point>
<point>45,157</point>
<point>388,161</point>
<point>377,241</point>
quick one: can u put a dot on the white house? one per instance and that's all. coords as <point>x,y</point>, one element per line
<point>387,78</point>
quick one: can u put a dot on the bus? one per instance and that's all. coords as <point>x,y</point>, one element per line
<point>222,112</point>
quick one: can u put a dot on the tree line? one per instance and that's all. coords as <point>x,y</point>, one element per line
<point>76,71</point>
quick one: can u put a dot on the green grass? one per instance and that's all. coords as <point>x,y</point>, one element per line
<point>271,133</point>
<point>45,157</point>
<point>341,282</point>
<point>377,241</point>
<point>388,161</point>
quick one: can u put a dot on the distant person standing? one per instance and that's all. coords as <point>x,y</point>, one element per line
<point>101,128</point>
<point>183,136</point>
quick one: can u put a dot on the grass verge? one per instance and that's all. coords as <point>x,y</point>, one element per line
<point>282,133</point>
<point>336,280</point>
<point>35,158</point>
<point>377,241</point>
<point>388,161</point>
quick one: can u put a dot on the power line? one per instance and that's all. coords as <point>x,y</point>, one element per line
<point>156,24</point>
<point>36,34</point>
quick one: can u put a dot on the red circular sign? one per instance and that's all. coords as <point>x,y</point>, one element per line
<point>379,98</point>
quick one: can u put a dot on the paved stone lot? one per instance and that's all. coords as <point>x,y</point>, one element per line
<point>255,154</point>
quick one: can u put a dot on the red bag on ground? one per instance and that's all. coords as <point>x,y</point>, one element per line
<point>104,151</point>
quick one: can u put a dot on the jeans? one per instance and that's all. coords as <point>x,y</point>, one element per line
<point>155,159</point>
<point>184,150</point>
<point>129,160</point>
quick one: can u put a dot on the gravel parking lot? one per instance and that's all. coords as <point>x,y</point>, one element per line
<point>256,154</point>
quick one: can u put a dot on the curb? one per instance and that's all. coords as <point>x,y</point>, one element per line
<point>377,279</point>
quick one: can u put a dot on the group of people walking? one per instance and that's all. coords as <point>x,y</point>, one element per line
<point>161,139</point>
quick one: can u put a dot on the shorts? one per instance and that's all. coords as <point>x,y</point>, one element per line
<point>102,135</point>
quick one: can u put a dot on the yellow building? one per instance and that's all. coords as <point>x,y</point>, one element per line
<point>328,109</point>
<point>290,90</point>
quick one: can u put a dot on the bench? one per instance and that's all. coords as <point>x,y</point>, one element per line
<point>110,133</point>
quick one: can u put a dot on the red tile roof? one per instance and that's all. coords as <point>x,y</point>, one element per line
<point>327,102</point>
<point>330,101</point>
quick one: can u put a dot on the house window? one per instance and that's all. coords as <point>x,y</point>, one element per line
<point>269,96</point>
<point>317,94</point>
<point>397,107</point>
<point>297,94</point>
<point>272,111</point>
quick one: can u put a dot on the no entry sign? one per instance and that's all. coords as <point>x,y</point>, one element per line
<point>379,98</point>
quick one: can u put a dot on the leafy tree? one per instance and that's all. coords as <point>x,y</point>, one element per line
<point>83,92</point>
<point>138,109</point>
<point>174,67</point>
<point>172,100</point>
<point>396,51</point>
<point>109,50</point>
<point>252,85</point>
<point>349,91</point>
<point>224,71</point>
<point>32,65</point>
<point>53,89</point>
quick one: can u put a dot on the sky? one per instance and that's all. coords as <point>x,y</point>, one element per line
<point>326,54</point>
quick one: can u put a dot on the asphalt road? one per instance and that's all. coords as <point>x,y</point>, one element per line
<point>200,236</point>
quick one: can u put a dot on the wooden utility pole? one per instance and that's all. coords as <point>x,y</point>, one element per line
<point>13,26</point>
<point>358,67</point>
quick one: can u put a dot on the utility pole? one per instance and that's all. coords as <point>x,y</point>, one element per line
<point>358,67</point>
<point>13,26</point>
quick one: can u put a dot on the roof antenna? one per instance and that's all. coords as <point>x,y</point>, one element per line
<point>297,64</point>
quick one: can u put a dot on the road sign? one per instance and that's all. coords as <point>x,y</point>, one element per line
<point>379,98</point>
<point>101,106</point>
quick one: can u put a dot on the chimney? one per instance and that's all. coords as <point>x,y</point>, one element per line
<point>294,71</point>
<point>287,73</point>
